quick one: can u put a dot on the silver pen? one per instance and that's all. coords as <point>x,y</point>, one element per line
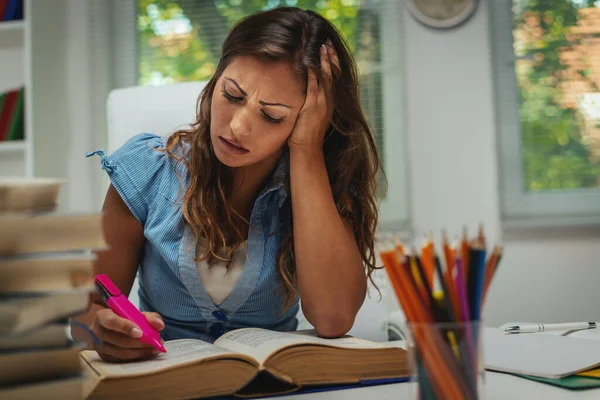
<point>535,328</point>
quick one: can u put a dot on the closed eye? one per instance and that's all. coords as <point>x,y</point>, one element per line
<point>231,98</point>
<point>268,118</point>
<point>234,99</point>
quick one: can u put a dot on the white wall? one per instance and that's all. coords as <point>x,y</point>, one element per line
<point>64,125</point>
<point>544,275</point>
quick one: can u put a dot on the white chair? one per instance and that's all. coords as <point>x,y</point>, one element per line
<point>164,109</point>
<point>153,109</point>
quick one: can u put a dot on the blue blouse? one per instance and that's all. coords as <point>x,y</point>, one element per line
<point>149,183</point>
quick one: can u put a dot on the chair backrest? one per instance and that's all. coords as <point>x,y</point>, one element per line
<point>164,109</point>
<point>152,109</point>
<point>149,109</point>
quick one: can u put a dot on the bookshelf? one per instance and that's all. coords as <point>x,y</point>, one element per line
<point>15,156</point>
<point>6,26</point>
<point>33,53</point>
<point>14,146</point>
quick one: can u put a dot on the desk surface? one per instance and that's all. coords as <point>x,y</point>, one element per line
<point>498,386</point>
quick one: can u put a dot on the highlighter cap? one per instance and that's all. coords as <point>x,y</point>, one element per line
<point>105,287</point>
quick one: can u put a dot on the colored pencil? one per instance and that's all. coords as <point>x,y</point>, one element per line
<point>443,319</point>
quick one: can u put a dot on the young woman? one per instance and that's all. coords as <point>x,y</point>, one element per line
<point>270,196</point>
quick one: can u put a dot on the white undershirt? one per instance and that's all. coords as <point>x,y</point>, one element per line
<point>218,280</point>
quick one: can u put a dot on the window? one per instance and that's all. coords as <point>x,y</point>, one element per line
<point>547,76</point>
<point>181,40</point>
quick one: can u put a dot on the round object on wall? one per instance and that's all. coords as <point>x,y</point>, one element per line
<point>442,14</point>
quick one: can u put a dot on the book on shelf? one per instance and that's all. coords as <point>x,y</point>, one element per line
<point>12,115</point>
<point>11,10</point>
<point>245,363</point>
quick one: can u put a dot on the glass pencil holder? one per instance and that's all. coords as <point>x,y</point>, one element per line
<point>446,360</point>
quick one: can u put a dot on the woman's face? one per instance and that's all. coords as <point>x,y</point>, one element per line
<point>253,111</point>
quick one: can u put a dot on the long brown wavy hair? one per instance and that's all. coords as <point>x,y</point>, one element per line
<point>291,35</point>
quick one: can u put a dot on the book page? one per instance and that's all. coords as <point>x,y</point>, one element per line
<point>537,354</point>
<point>179,353</point>
<point>261,343</point>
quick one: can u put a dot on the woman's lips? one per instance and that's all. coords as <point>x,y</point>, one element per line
<point>232,147</point>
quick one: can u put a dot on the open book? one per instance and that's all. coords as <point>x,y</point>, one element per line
<point>246,363</point>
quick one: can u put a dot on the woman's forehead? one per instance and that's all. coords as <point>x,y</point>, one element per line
<point>268,77</point>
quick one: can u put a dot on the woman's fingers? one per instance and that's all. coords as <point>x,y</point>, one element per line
<point>325,65</point>
<point>333,59</point>
<point>155,320</point>
<point>312,90</point>
<point>111,321</point>
<point>119,339</point>
<point>110,352</point>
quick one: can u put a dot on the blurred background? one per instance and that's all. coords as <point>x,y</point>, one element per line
<point>494,120</point>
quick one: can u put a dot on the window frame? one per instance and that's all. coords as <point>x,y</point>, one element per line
<point>564,207</point>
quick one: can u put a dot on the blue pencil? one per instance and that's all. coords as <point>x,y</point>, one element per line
<point>479,282</point>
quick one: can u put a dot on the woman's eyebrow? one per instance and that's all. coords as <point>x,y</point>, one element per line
<point>238,86</point>
<point>262,103</point>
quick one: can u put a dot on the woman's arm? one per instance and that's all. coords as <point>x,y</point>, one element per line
<point>125,238</point>
<point>331,275</point>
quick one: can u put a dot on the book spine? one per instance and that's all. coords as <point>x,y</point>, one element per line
<point>7,111</point>
<point>3,4</point>
<point>17,124</point>
<point>11,10</point>
<point>2,100</point>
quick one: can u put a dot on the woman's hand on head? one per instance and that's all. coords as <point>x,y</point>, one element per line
<point>316,113</point>
<point>119,337</point>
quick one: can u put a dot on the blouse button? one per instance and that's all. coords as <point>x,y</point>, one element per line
<point>219,315</point>
<point>217,330</point>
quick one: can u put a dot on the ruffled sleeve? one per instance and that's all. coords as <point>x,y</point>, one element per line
<point>137,170</point>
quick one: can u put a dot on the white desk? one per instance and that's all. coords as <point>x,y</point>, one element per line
<point>498,387</point>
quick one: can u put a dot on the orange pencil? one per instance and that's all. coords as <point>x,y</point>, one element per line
<point>481,237</point>
<point>399,246</point>
<point>428,261</point>
<point>441,372</point>
<point>440,356</point>
<point>490,269</point>
<point>411,308</point>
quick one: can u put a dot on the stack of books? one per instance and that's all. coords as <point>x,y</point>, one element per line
<point>46,276</point>
<point>12,115</point>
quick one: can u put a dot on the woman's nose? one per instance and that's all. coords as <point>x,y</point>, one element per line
<point>240,122</point>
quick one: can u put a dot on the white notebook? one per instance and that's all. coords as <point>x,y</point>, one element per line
<point>537,354</point>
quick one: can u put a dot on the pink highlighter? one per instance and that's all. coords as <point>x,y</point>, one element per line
<point>121,305</point>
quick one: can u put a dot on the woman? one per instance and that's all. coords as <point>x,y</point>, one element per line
<point>270,196</point>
